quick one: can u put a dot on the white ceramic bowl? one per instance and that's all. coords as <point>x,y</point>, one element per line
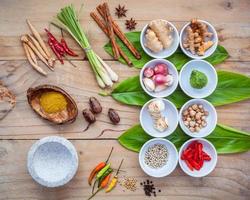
<point>166,52</point>
<point>52,161</point>
<point>211,119</point>
<point>172,70</point>
<point>208,166</point>
<point>171,163</point>
<point>210,51</point>
<point>202,66</point>
<point>147,121</point>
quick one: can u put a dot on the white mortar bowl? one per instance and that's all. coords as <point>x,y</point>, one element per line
<point>52,161</point>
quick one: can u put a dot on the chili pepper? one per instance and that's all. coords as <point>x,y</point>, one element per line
<point>55,43</point>
<point>67,49</point>
<point>194,164</point>
<point>103,170</point>
<point>200,146</point>
<point>98,168</point>
<point>103,185</point>
<point>109,171</point>
<point>189,165</point>
<point>55,51</point>
<point>114,179</point>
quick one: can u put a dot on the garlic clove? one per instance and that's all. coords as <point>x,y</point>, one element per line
<point>161,124</point>
<point>156,106</point>
<point>149,84</point>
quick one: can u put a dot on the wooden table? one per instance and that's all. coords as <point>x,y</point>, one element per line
<point>22,127</point>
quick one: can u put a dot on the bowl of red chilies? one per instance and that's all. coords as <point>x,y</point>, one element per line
<point>197,157</point>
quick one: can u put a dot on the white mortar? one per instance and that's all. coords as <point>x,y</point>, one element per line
<point>52,161</point>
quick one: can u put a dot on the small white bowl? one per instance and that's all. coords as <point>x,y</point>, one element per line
<point>170,112</point>
<point>208,166</point>
<point>211,119</point>
<point>202,66</point>
<point>166,52</point>
<point>172,70</point>
<point>208,52</point>
<point>171,163</point>
<point>52,161</point>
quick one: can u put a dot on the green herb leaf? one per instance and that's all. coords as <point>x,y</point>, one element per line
<point>178,58</point>
<point>225,139</point>
<point>232,87</point>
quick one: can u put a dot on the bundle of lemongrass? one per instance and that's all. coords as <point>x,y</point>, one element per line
<point>67,19</point>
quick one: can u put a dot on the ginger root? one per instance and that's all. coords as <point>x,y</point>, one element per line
<point>163,32</point>
<point>198,38</point>
<point>152,42</point>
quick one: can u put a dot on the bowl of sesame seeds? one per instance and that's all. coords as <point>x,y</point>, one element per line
<point>158,157</point>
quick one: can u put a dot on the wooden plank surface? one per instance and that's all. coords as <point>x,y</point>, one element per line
<point>22,127</point>
<point>227,181</point>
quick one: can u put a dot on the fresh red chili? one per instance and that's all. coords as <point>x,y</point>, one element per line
<point>194,156</point>
<point>67,49</point>
<point>59,57</point>
<point>59,48</point>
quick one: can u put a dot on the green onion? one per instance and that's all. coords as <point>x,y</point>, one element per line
<point>67,19</point>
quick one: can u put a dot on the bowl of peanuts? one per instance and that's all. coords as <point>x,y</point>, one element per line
<point>198,118</point>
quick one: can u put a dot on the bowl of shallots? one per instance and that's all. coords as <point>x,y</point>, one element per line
<point>159,78</point>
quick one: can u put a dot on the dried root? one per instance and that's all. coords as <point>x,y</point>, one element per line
<point>198,38</point>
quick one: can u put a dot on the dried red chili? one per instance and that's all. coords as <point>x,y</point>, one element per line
<point>67,49</point>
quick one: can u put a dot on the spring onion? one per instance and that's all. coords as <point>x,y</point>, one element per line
<point>67,19</point>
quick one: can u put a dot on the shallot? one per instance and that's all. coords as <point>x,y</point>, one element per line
<point>148,72</point>
<point>160,79</point>
<point>161,69</point>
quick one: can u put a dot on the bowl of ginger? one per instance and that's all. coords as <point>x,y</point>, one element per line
<point>159,38</point>
<point>198,39</point>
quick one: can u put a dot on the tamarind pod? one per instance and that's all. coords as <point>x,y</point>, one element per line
<point>35,66</point>
<point>38,46</point>
<point>38,37</point>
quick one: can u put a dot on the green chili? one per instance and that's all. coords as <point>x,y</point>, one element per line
<point>109,171</point>
<point>103,170</point>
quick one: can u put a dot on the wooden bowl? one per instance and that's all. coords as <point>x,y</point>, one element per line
<point>67,115</point>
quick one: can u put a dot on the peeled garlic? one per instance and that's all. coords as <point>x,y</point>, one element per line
<point>149,84</point>
<point>161,124</point>
<point>156,106</point>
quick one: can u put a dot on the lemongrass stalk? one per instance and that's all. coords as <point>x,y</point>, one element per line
<point>114,77</point>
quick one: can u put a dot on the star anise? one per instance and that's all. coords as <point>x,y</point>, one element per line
<point>130,24</point>
<point>120,11</point>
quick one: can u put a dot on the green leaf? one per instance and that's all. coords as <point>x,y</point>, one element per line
<point>232,87</point>
<point>178,58</point>
<point>225,139</point>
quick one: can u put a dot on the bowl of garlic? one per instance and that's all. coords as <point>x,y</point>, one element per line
<point>198,39</point>
<point>198,118</point>
<point>159,117</point>
<point>159,38</point>
<point>159,78</point>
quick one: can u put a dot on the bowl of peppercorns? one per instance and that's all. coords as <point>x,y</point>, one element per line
<point>198,118</point>
<point>158,157</point>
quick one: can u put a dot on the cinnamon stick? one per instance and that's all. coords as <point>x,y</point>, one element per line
<point>120,34</point>
<point>111,34</point>
<point>102,26</point>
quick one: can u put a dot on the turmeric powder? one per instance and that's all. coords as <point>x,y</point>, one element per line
<point>53,102</point>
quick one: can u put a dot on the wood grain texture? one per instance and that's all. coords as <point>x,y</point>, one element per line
<point>22,127</point>
<point>227,181</point>
<point>23,123</point>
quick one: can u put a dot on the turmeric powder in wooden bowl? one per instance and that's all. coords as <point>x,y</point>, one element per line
<point>52,103</point>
